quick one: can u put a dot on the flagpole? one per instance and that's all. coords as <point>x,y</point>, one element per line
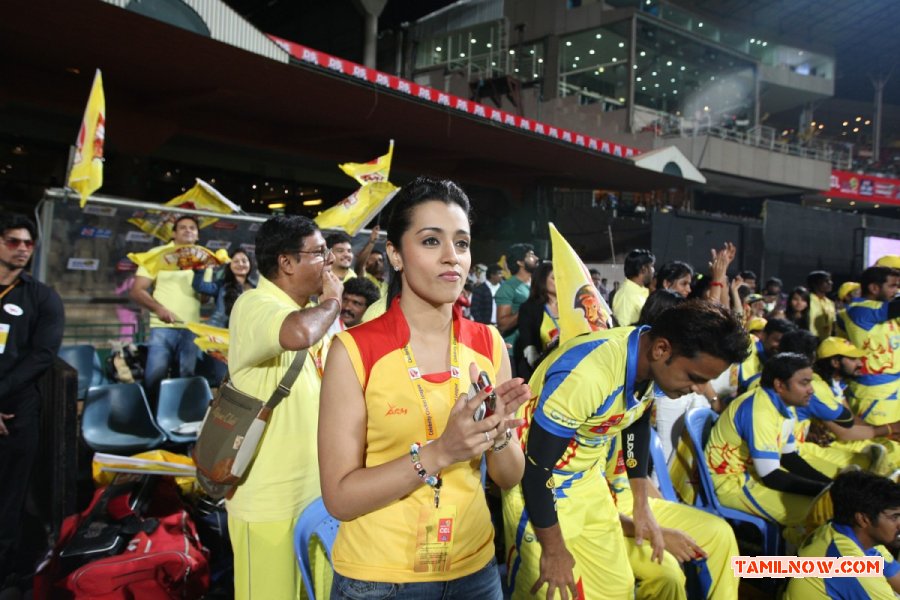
<point>66,193</point>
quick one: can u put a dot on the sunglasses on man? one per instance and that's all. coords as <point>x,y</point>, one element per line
<point>13,243</point>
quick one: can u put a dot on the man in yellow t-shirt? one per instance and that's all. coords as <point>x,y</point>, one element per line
<point>822,313</point>
<point>268,326</point>
<point>629,300</point>
<point>172,305</point>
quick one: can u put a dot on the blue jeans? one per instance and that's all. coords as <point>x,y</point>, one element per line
<point>481,585</point>
<point>165,344</point>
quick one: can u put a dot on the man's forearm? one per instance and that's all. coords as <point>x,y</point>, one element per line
<point>305,327</point>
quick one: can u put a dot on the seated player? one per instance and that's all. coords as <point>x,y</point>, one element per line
<point>752,452</point>
<point>764,346</point>
<point>866,518</point>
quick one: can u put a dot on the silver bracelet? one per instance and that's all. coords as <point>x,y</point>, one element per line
<point>505,443</point>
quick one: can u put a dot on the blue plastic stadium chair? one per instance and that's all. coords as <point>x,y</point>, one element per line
<point>117,419</point>
<point>182,400</point>
<point>698,422</point>
<point>313,521</point>
<point>660,468</point>
<point>81,357</point>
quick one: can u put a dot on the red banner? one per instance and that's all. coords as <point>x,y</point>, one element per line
<point>422,92</point>
<point>868,188</point>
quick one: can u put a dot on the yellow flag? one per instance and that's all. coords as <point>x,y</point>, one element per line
<point>581,307</point>
<point>200,197</point>
<point>86,175</point>
<point>375,170</point>
<point>172,257</point>
<point>357,209</point>
<point>211,340</point>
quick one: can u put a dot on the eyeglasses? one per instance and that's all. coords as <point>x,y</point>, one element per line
<point>13,243</point>
<point>321,253</point>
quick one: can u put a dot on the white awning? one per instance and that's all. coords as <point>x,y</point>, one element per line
<point>670,161</point>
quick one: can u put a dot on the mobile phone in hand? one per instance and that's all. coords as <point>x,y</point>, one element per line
<point>483,384</point>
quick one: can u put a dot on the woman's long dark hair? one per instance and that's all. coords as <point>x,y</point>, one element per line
<point>232,286</point>
<point>539,293</point>
<point>419,190</point>
<point>801,320</point>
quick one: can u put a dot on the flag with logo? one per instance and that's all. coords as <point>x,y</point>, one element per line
<point>211,340</point>
<point>86,175</point>
<point>180,257</point>
<point>581,307</point>
<point>202,196</point>
<point>353,212</point>
<point>377,169</point>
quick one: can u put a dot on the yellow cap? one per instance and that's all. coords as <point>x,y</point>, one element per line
<point>847,288</point>
<point>756,324</point>
<point>835,346</point>
<point>891,261</point>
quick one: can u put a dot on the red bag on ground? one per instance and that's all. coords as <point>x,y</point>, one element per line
<point>162,559</point>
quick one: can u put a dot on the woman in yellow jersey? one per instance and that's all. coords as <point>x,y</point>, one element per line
<point>400,445</point>
<point>538,321</point>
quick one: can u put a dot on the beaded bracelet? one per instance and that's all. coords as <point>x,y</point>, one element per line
<point>433,481</point>
<point>505,442</point>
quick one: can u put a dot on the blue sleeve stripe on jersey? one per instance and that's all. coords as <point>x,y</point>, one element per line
<point>891,568</point>
<point>565,364</point>
<point>608,401</point>
<point>867,317</point>
<point>877,379</point>
<point>552,426</point>
<point>820,410</point>
<point>743,422</point>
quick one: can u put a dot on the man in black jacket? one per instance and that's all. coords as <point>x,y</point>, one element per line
<point>31,328</point>
<point>484,310</point>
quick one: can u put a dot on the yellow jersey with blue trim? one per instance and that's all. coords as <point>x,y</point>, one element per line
<point>585,392</point>
<point>870,328</point>
<point>824,405</point>
<point>835,540</point>
<point>757,425</point>
<point>750,370</point>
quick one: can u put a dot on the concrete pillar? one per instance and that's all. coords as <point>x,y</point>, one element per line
<point>371,9</point>
<point>876,122</point>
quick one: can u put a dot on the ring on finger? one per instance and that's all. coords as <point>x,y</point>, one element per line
<point>487,437</point>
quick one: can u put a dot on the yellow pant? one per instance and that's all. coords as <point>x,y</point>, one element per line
<point>892,447</point>
<point>829,460</point>
<point>265,565</point>
<point>667,580</point>
<point>590,526</point>
<point>748,494</point>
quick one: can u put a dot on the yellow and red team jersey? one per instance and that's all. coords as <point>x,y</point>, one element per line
<point>835,540</point>
<point>381,545</point>
<point>584,392</point>
<point>755,425</point>
<point>823,405</point>
<point>873,395</point>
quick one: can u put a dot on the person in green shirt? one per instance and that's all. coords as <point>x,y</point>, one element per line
<point>514,291</point>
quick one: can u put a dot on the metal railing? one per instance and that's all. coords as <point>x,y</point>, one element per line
<point>760,136</point>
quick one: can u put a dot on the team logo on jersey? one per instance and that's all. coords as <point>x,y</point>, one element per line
<point>394,410</point>
<point>13,309</point>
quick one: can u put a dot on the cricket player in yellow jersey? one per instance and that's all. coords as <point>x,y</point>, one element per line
<point>562,526</point>
<point>700,540</point>
<point>752,453</point>
<point>839,362</point>
<point>873,325</point>
<point>866,519</point>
